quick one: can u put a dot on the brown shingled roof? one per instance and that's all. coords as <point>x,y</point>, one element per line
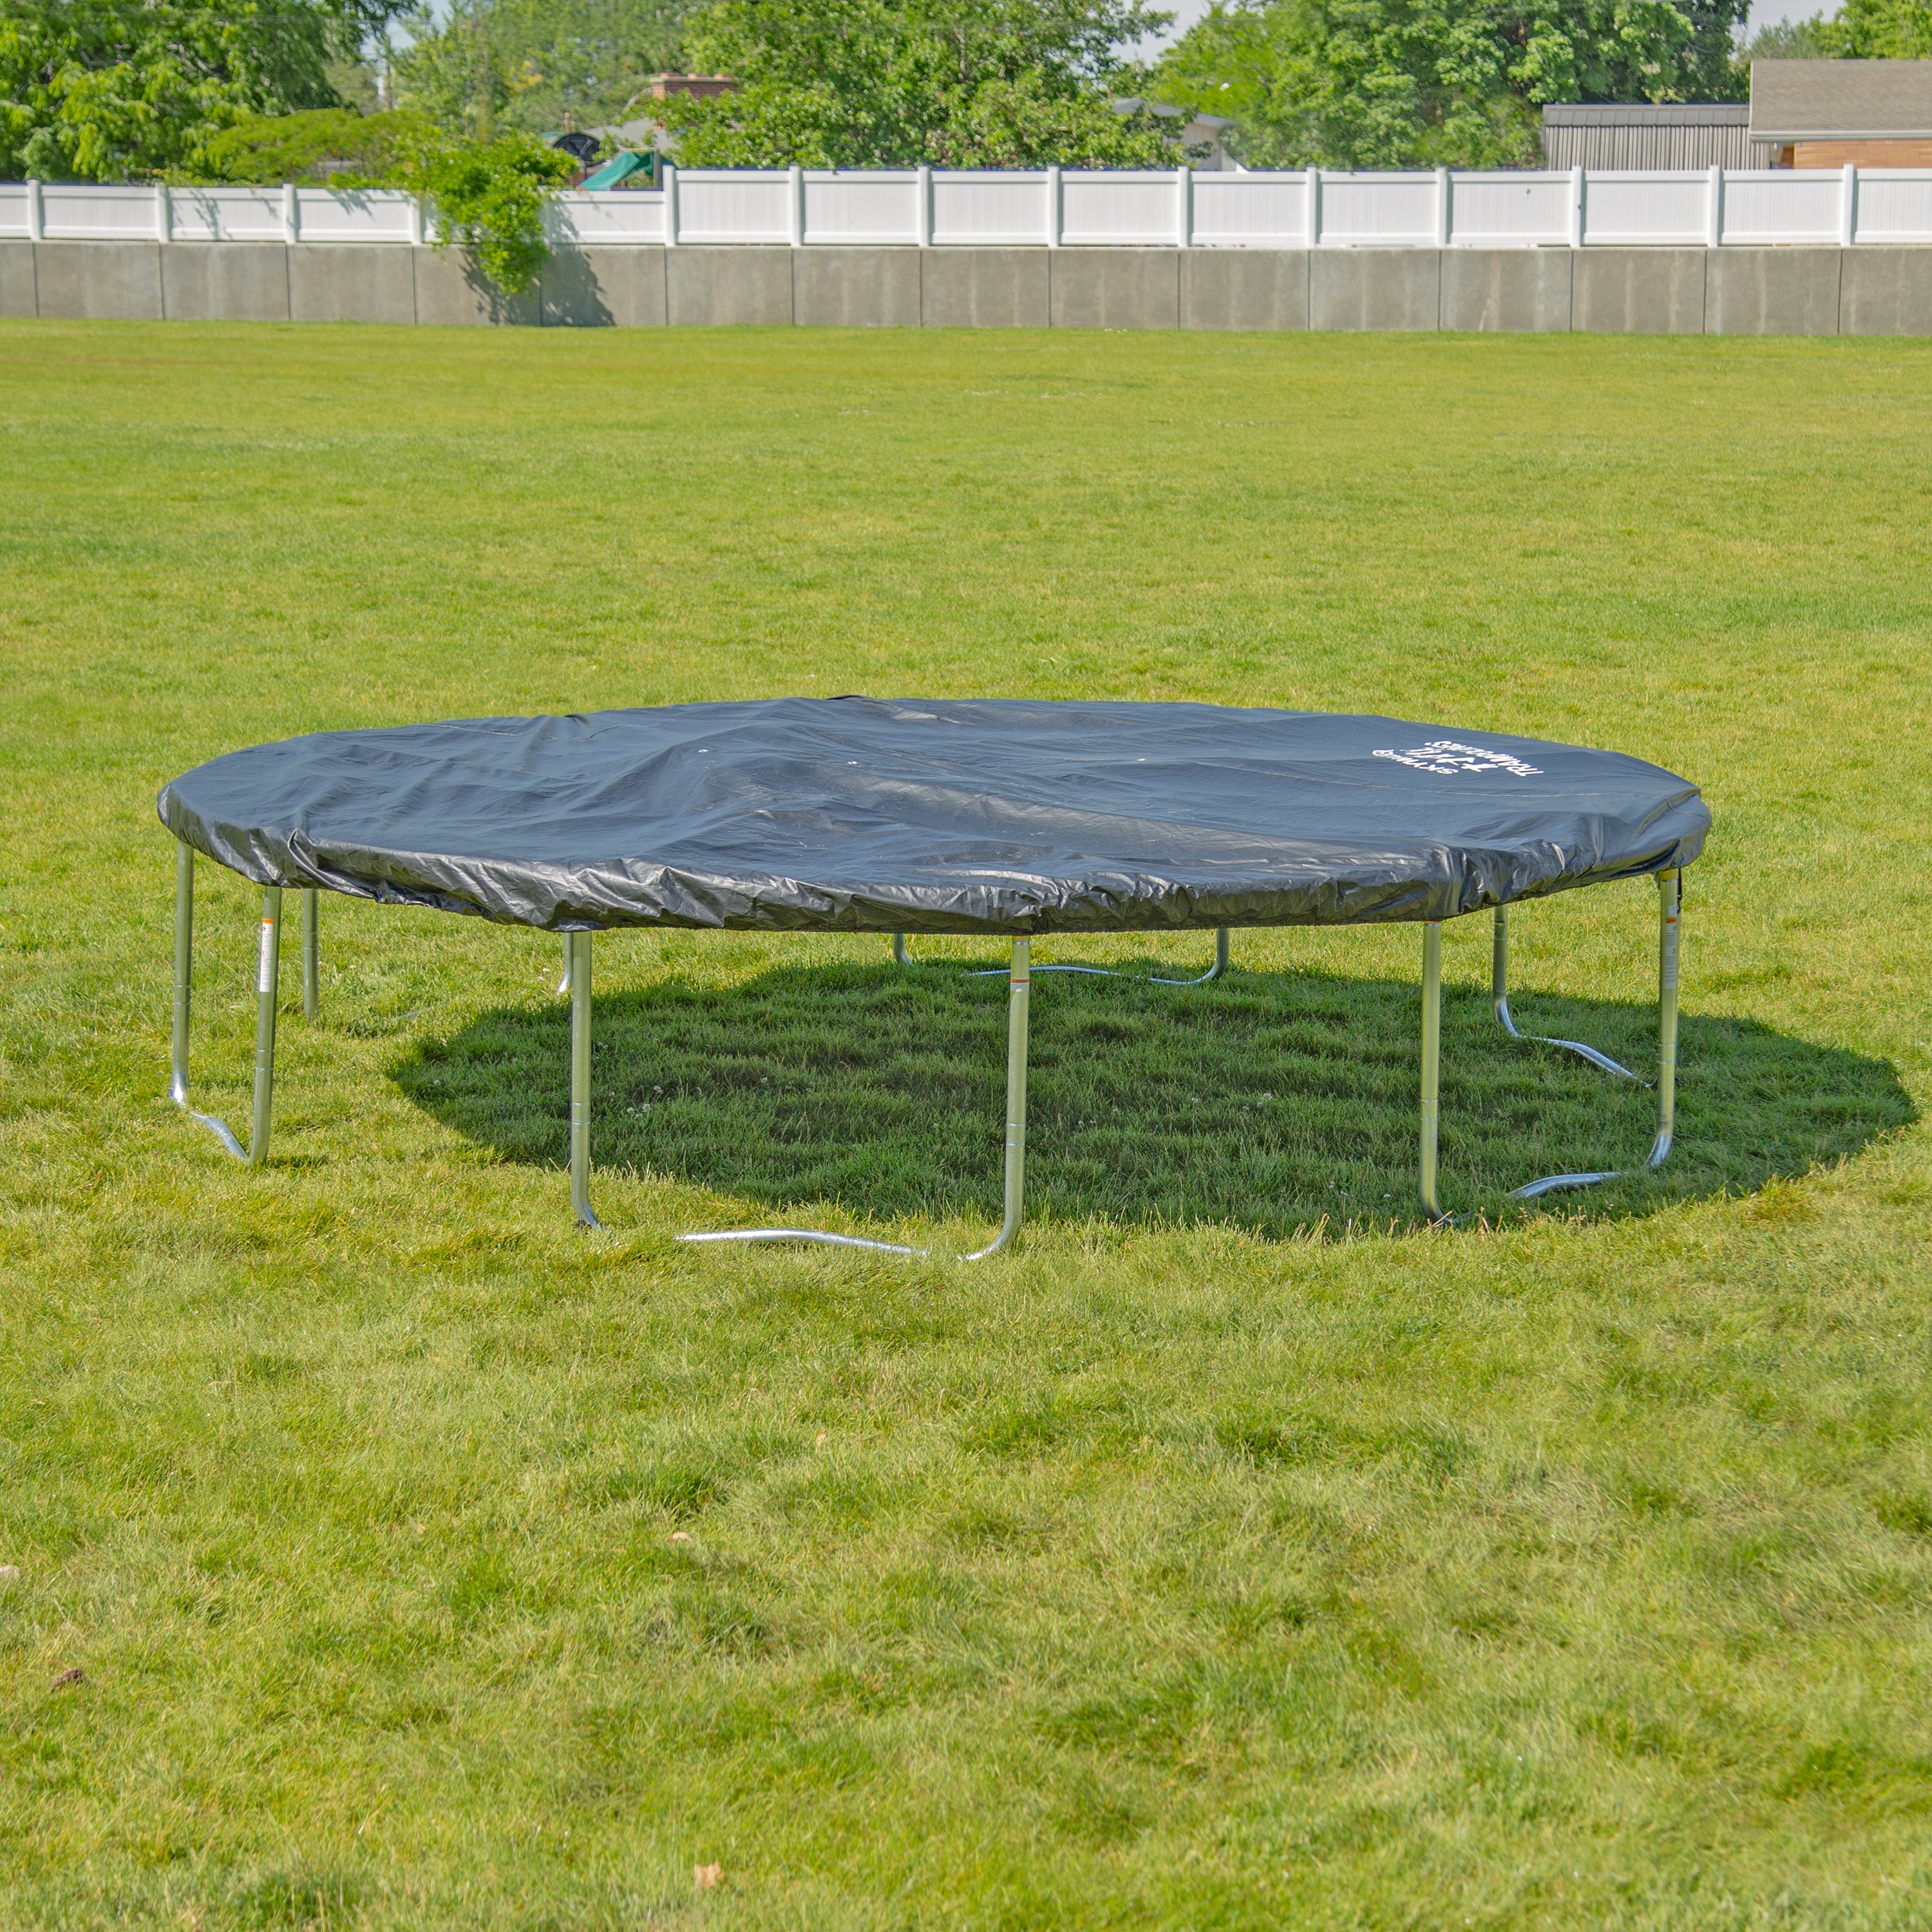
<point>1840,100</point>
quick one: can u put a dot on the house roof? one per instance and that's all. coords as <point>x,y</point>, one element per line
<point>1127,105</point>
<point>1645,114</point>
<point>1840,100</point>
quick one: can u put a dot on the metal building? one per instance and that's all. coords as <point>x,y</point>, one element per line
<point>1698,134</point>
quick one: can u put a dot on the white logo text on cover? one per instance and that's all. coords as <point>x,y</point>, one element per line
<point>1446,757</point>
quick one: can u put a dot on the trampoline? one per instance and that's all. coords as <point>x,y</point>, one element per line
<point>1012,818</point>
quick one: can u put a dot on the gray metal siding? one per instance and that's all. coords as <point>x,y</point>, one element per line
<point>1652,145</point>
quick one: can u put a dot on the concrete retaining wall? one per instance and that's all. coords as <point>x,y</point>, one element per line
<point>1731,291</point>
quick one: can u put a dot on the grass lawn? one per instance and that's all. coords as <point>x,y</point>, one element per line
<point>1233,1553</point>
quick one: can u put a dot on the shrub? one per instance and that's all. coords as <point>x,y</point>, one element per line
<point>490,197</point>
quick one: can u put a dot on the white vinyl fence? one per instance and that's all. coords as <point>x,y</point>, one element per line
<point>1066,209</point>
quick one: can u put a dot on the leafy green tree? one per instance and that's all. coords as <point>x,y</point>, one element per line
<point>1878,30</point>
<point>535,64</point>
<point>119,90</point>
<point>1786,40</point>
<point>1425,83</point>
<point>294,147</point>
<point>893,83</point>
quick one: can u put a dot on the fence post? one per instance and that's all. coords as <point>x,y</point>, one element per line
<point>1441,208</point>
<point>925,219</point>
<point>164,213</point>
<point>797,198</point>
<point>1314,208</point>
<point>291,214</point>
<point>416,221</point>
<point>1576,208</point>
<point>36,224</point>
<point>1848,206</point>
<point>1714,209</point>
<point>1184,207</point>
<point>1053,207</point>
<point>670,179</point>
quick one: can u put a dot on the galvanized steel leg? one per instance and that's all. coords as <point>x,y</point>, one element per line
<point>1019,980</point>
<point>1431,1065</point>
<point>184,999</point>
<point>184,970</point>
<point>1499,997</point>
<point>311,956</point>
<point>1499,973</point>
<point>578,959</point>
<point>266,984</point>
<point>1669,919</point>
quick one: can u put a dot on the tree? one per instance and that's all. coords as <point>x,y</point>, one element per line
<point>1878,30</point>
<point>116,90</point>
<point>1786,40</point>
<point>535,64</point>
<point>894,83</point>
<point>294,147</point>
<point>1418,83</point>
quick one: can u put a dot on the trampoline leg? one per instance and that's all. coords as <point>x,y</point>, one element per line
<point>1669,915</point>
<point>267,982</point>
<point>184,999</point>
<point>1499,997</point>
<point>183,971</point>
<point>577,949</point>
<point>563,985</point>
<point>899,952</point>
<point>1018,980</point>
<point>1432,1064</point>
<point>311,957</point>
<point>1499,973</point>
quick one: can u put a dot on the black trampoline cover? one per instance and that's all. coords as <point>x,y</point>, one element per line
<point>855,814</point>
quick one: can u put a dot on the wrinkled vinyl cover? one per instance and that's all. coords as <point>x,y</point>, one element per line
<point>854,814</point>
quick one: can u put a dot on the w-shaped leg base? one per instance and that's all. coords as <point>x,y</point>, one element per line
<point>904,956</point>
<point>256,1153</point>
<point>1499,999</point>
<point>1019,981</point>
<point>1670,897</point>
<point>1669,923</point>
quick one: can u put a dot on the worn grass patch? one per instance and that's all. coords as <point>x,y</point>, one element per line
<point>1233,1553</point>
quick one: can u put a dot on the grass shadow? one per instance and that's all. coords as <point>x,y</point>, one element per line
<point>1269,1101</point>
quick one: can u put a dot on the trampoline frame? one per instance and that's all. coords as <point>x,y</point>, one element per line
<point>1019,972</point>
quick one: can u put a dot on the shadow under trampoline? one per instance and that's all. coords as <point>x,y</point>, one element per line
<point>1273,1102</point>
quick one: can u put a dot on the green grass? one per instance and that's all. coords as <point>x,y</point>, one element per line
<point>1234,1553</point>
